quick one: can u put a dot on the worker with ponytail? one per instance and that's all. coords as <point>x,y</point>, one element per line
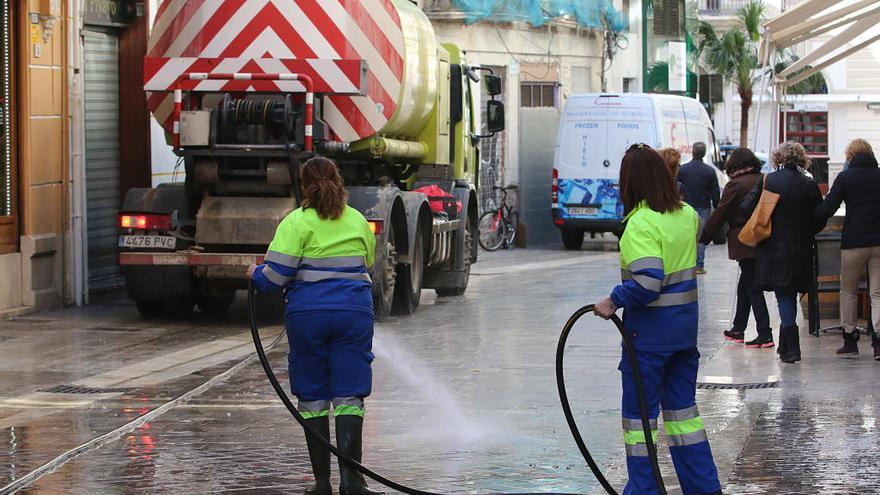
<point>320,258</point>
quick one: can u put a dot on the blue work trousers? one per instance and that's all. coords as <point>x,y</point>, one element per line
<point>669,379</point>
<point>330,354</point>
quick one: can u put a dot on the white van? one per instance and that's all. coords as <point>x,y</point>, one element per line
<point>595,131</point>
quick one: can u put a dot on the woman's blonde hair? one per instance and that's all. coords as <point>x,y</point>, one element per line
<point>672,158</point>
<point>791,153</point>
<point>858,147</point>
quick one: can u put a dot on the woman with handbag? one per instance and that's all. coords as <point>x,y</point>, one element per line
<point>744,170</point>
<point>784,259</point>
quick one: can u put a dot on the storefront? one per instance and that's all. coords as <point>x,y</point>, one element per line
<point>115,150</point>
<point>69,70</point>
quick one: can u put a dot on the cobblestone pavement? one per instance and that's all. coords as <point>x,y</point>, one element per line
<point>464,397</point>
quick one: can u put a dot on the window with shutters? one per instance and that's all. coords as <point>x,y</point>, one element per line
<point>8,169</point>
<point>669,18</point>
<point>537,94</point>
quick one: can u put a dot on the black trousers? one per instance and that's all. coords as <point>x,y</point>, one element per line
<point>750,296</point>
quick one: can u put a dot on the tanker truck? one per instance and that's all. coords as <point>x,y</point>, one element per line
<point>247,91</point>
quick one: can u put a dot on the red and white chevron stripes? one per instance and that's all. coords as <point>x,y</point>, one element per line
<point>327,40</point>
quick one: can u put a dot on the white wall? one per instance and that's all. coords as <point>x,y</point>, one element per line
<point>563,47</point>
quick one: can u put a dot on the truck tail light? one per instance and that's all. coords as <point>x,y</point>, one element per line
<point>555,187</point>
<point>375,226</point>
<point>144,221</point>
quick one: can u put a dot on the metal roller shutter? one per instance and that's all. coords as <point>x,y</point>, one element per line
<point>102,155</point>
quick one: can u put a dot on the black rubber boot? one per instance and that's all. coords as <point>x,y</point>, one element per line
<point>349,438</point>
<point>876,344</point>
<point>850,344</point>
<point>783,343</point>
<point>793,344</point>
<point>320,457</point>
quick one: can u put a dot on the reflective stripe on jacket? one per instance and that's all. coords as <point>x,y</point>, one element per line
<point>658,257</point>
<point>323,264</point>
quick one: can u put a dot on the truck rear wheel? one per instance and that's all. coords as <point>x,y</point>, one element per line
<point>215,305</point>
<point>151,309</point>
<point>384,275</point>
<point>408,292</point>
<point>572,239</point>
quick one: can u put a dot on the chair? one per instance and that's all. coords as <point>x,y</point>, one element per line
<point>826,263</point>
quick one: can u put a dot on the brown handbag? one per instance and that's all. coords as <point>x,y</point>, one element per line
<point>759,226</point>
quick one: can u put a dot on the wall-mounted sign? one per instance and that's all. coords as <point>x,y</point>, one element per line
<point>108,12</point>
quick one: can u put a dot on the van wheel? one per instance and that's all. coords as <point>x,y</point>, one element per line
<point>573,239</point>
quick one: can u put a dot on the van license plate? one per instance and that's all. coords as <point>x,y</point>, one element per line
<point>583,210</point>
<point>147,241</point>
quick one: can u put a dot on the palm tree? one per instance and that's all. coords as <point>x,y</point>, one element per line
<point>734,55</point>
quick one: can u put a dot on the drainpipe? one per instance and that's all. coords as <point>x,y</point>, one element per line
<point>77,153</point>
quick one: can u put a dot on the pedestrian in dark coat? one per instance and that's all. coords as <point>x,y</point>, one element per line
<point>859,187</point>
<point>784,262</point>
<point>701,191</point>
<point>744,170</point>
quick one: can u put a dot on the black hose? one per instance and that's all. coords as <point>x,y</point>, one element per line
<point>643,407</point>
<point>652,451</point>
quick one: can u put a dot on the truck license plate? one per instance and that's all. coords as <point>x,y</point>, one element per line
<point>147,241</point>
<point>583,210</point>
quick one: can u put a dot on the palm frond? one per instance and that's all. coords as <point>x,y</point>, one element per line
<point>751,16</point>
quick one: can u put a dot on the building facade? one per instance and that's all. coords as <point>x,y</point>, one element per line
<point>540,65</point>
<point>71,69</point>
<point>845,107</point>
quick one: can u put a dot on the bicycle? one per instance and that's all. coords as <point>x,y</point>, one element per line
<point>497,227</point>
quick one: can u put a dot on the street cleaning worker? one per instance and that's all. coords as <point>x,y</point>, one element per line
<point>658,293</point>
<point>320,257</point>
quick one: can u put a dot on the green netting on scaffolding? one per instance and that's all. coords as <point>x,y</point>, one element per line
<point>588,13</point>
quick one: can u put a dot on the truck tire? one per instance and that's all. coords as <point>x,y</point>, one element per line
<point>384,275</point>
<point>572,239</point>
<point>408,290</point>
<point>151,309</point>
<point>215,305</point>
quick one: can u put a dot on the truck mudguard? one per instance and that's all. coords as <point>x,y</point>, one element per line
<point>385,204</point>
<point>418,219</point>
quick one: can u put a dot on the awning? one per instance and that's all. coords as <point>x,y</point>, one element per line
<point>854,24</point>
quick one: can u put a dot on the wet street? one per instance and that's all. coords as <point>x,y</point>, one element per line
<point>464,398</point>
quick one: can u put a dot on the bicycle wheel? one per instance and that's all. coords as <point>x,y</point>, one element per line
<point>512,221</point>
<point>492,230</point>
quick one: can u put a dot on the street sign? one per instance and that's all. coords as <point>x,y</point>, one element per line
<point>108,12</point>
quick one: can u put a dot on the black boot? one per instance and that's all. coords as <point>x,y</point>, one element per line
<point>349,433</point>
<point>783,343</point>
<point>792,343</point>
<point>875,343</point>
<point>320,457</point>
<point>850,344</point>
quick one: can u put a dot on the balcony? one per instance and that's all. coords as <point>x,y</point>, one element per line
<point>720,8</point>
<point>789,4</point>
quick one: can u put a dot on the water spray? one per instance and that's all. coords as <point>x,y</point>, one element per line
<point>563,398</point>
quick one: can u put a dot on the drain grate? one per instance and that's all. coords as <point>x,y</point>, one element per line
<point>737,386</point>
<point>77,389</point>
